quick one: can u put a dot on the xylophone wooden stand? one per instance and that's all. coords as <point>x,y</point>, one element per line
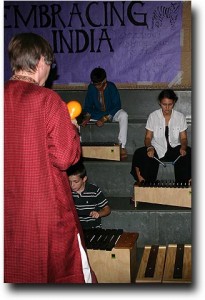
<point>107,151</point>
<point>118,265</point>
<point>161,264</point>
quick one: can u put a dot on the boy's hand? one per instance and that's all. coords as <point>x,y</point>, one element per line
<point>100,122</point>
<point>94,214</point>
<point>85,121</point>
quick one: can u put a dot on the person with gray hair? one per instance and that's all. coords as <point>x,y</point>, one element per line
<point>43,239</point>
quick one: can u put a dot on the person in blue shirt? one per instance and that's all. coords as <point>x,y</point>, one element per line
<point>102,104</point>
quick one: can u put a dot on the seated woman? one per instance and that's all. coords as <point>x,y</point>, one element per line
<point>165,139</point>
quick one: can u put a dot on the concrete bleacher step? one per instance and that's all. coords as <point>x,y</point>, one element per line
<point>155,223</point>
<point>164,225</point>
<point>127,203</point>
<point>109,133</point>
<point>113,177</point>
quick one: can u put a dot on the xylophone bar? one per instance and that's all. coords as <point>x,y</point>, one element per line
<point>175,195</point>
<point>108,151</point>
<point>152,265</point>
<point>178,264</point>
<point>101,239</point>
<point>161,264</point>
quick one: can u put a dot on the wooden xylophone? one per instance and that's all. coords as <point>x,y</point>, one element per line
<point>165,264</point>
<point>112,254</point>
<point>107,151</point>
<point>166,192</point>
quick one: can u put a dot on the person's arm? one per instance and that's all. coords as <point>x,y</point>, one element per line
<point>86,119</point>
<point>147,142</point>
<point>88,105</point>
<point>184,142</point>
<point>91,109</point>
<point>139,177</point>
<point>105,211</point>
<point>183,135</point>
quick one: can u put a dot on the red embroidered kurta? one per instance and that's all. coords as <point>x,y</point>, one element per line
<point>40,220</point>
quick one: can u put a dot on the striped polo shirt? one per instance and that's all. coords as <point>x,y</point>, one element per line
<point>90,199</point>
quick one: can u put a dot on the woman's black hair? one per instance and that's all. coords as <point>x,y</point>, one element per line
<point>168,93</point>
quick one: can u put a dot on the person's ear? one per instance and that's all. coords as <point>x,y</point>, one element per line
<point>41,62</point>
<point>85,179</point>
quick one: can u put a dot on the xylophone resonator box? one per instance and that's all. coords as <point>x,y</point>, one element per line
<point>116,265</point>
<point>163,193</point>
<point>104,151</point>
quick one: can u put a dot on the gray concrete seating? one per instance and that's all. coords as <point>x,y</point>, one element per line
<point>138,104</point>
<point>153,223</point>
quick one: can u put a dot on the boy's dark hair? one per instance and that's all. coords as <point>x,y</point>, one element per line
<point>168,93</point>
<point>97,75</point>
<point>77,169</point>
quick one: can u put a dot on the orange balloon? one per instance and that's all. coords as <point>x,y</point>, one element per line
<point>74,109</point>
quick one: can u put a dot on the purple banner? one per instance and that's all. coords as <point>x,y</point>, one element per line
<point>134,41</point>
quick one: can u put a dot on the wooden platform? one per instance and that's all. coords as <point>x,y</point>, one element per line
<point>108,151</point>
<point>163,195</point>
<point>118,265</point>
<point>165,264</point>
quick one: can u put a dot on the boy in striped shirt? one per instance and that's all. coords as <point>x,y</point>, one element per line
<point>90,202</point>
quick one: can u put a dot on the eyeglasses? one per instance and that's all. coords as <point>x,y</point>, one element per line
<point>100,84</point>
<point>50,63</point>
<point>53,66</point>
